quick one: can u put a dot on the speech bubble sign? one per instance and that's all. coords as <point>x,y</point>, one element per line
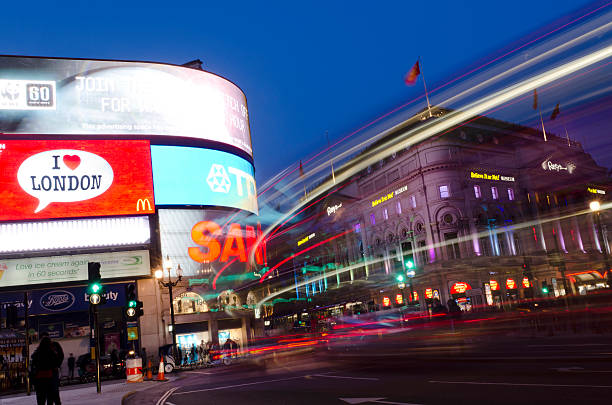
<point>64,175</point>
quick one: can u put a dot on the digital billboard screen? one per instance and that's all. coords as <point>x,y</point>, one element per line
<point>194,176</point>
<point>102,97</point>
<point>213,246</point>
<point>46,179</point>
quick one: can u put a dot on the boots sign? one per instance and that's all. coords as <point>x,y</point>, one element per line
<point>59,179</point>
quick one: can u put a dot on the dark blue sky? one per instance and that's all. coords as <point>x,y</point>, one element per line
<point>305,67</point>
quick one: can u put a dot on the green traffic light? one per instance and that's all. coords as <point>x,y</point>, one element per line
<point>132,304</point>
<point>409,264</point>
<point>545,290</point>
<point>95,288</point>
<point>400,278</point>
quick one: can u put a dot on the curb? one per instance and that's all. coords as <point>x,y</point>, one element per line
<point>126,396</point>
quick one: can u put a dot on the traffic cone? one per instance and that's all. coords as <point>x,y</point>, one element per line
<point>160,372</point>
<point>149,371</point>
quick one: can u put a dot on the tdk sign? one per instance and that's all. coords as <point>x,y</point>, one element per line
<point>195,176</point>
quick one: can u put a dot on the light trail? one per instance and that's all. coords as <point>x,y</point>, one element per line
<point>263,277</point>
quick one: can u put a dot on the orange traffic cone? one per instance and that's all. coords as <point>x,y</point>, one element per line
<point>160,373</point>
<point>149,371</point>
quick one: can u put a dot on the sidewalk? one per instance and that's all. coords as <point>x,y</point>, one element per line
<point>112,393</point>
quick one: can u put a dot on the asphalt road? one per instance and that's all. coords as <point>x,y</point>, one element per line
<point>313,379</point>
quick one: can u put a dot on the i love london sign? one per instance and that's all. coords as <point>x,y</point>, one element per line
<point>63,179</point>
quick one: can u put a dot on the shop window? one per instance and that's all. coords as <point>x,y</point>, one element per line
<point>413,201</point>
<point>385,214</point>
<point>373,219</point>
<point>510,194</point>
<point>494,193</point>
<point>444,192</point>
<point>477,192</point>
<point>398,207</point>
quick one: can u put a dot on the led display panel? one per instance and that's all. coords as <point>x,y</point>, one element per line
<point>101,97</point>
<point>194,176</point>
<point>61,179</point>
<point>212,246</point>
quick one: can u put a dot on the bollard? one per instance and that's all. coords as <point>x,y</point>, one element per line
<point>134,370</point>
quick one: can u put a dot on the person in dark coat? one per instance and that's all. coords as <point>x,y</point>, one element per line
<point>45,363</point>
<point>71,364</point>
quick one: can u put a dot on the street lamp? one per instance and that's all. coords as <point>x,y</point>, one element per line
<point>159,275</point>
<point>595,207</point>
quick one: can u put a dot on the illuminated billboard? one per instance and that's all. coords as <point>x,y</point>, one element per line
<point>213,246</point>
<point>60,269</point>
<point>101,97</point>
<point>60,179</point>
<point>195,176</point>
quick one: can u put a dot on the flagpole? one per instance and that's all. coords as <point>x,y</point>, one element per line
<point>542,121</point>
<point>425,86</point>
<point>331,159</point>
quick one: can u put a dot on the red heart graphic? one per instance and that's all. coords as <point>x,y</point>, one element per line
<point>72,161</point>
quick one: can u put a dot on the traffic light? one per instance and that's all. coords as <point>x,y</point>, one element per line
<point>133,308</point>
<point>131,303</point>
<point>95,289</point>
<point>545,289</point>
<point>400,278</point>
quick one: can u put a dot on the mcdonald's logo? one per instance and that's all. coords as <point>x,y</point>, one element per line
<point>143,202</point>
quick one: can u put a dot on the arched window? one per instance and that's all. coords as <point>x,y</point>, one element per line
<point>189,303</point>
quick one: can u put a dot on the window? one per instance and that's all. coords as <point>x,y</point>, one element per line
<point>452,247</point>
<point>385,214</point>
<point>372,219</point>
<point>357,227</point>
<point>477,192</point>
<point>510,194</point>
<point>398,207</point>
<point>444,192</point>
<point>413,201</point>
<point>422,252</point>
<point>494,193</point>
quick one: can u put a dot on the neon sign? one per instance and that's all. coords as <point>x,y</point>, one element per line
<point>237,244</point>
<point>460,288</point>
<point>510,284</point>
<point>494,285</point>
<point>595,191</point>
<point>386,301</point>
<point>547,164</point>
<point>487,176</point>
<point>389,196</point>
<point>416,295</point>
<point>526,283</point>
<point>428,293</point>
<point>305,239</point>
<point>333,209</point>
<point>399,299</point>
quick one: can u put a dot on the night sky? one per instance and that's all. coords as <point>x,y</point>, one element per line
<point>305,67</point>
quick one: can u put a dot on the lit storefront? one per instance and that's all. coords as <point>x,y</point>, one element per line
<point>83,151</point>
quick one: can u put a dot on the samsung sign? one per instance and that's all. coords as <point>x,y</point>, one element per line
<point>195,176</point>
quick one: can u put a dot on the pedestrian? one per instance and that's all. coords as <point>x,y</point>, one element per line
<point>454,309</point>
<point>71,364</point>
<point>45,362</point>
<point>179,355</point>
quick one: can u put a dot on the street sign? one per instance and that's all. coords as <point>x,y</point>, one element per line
<point>132,333</point>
